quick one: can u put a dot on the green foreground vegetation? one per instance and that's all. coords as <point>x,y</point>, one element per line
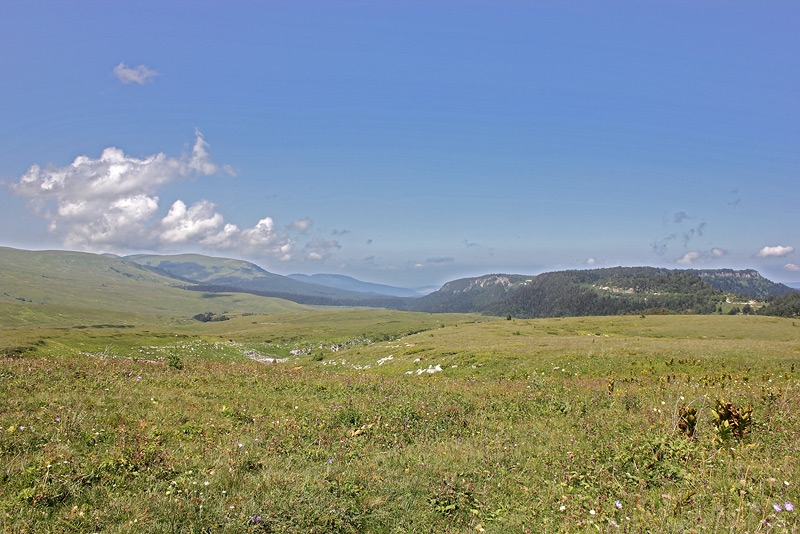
<point>397,422</point>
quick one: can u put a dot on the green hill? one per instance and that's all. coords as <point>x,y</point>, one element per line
<point>41,286</point>
<point>226,274</point>
<point>609,291</point>
<point>747,282</point>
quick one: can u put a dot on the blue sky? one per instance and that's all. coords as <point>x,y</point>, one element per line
<point>408,143</point>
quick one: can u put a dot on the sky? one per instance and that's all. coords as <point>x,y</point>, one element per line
<point>406,142</point>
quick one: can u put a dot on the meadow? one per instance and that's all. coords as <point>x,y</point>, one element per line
<point>396,422</point>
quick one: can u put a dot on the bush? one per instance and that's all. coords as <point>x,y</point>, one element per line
<point>174,361</point>
<point>206,317</point>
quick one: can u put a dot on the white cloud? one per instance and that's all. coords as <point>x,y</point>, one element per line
<point>261,240</point>
<point>301,225</point>
<point>110,203</point>
<point>182,224</point>
<point>696,256</point>
<point>776,251</point>
<point>690,257</point>
<point>140,74</point>
<point>791,267</point>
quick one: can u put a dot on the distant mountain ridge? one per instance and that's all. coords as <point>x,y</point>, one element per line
<point>348,283</point>
<point>607,291</point>
<point>77,276</point>
<point>227,273</point>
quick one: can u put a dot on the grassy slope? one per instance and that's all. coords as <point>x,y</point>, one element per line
<point>202,268</point>
<point>236,273</point>
<point>87,288</point>
<point>534,438</point>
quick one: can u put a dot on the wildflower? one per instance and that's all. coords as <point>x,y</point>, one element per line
<point>592,512</point>
<point>618,505</point>
<point>789,507</point>
<point>562,508</point>
<point>777,507</point>
<point>330,461</point>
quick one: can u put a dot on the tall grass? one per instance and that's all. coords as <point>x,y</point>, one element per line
<point>570,425</point>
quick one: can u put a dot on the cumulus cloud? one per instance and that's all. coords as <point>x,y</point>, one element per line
<point>301,225</point>
<point>140,74</point>
<point>111,203</point>
<point>791,267</point>
<point>696,256</point>
<point>776,251</point>
<point>184,224</point>
<point>690,257</point>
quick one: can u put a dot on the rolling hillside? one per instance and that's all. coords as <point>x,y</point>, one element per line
<point>35,285</point>
<point>189,284</point>
<point>227,274</point>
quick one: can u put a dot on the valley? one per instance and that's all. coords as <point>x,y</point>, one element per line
<point>122,413</point>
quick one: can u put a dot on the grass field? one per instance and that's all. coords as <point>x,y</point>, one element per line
<point>396,422</point>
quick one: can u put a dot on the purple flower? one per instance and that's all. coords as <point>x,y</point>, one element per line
<point>777,507</point>
<point>618,504</point>
<point>330,461</point>
<point>789,507</point>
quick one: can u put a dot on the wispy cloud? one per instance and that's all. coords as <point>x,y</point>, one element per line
<point>792,267</point>
<point>140,74</point>
<point>301,225</point>
<point>776,251</point>
<point>736,200</point>
<point>686,235</point>
<point>320,249</point>
<point>440,260</point>
<point>681,216</point>
<point>111,203</point>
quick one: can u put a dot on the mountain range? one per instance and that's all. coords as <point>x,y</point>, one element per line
<point>196,283</point>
